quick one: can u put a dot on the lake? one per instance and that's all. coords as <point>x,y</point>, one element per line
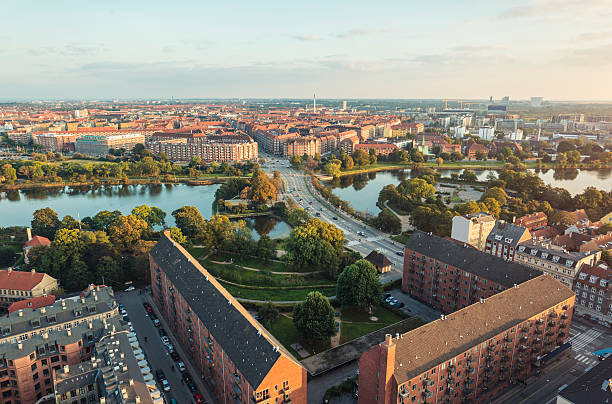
<point>16,207</point>
<point>362,190</point>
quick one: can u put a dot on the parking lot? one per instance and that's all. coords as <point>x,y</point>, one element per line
<point>159,355</point>
<point>413,307</point>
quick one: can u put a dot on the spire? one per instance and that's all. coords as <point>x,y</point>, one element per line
<point>314,103</point>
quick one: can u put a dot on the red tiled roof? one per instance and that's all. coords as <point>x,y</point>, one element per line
<point>33,303</point>
<point>37,241</point>
<point>18,280</point>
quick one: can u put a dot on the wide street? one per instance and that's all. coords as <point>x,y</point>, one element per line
<point>586,338</point>
<point>299,188</point>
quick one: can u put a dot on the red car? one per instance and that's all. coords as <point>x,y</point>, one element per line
<point>198,398</point>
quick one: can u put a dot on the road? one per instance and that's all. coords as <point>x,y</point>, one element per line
<point>586,338</point>
<point>299,188</point>
<point>157,354</point>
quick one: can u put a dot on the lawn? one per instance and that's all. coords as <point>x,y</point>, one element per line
<point>402,238</point>
<point>350,331</point>
<point>196,252</point>
<point>237,274</point>
<point>257,263</point>
<point>284,331</point>
<point>384,316</point>
<point>275,294</point>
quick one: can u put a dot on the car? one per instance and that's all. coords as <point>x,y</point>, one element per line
<point>160,375</point>
<point>170,348</point>
<point>191,385</point>
<point>149,310</point>
<point>181,366</point>
<point>165,340</point>
<point>389,298</point>
<point>165,385</point>
<point>130,289</point>
<point>400,305</point>
<point>156,322</point>
<point>186,377</point>
<point>175,357</point>
<point>198,398</point>
<point>335,218</point>
<point>152,316</point>
<point>400,253</point>
<point>361,233</point>
<point>126,318</point>
<point>317,214</point>
<point>386,295</point>
<point>162,332</point>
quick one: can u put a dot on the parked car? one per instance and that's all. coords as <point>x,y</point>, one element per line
<point>400,253</point>
<point>130,289</point>
<point>335,218</point>
<point>162,332</point>
<point>165,385</point>
<point>361,233</point>
<point>386,295</point>
<point>198,398</point>
<point>191,385</point>
<point>400,305</point>
<point>160,375</point>
<point>186,377</point>
<point>175,357</point>
<point>165,340</point>
<point>170,348</point>
<point>181,366</point>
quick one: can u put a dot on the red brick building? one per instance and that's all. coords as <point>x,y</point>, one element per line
<point>533,221</point>
<point>238,358</point>
<point>471,355</point>
<point>381,149</point>
<point>449,276</point>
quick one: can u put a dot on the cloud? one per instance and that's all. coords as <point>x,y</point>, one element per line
<point>594,36</point>
<point>307,37</point>
<point>359,32</point>
<point>553,8</point>
<point>80,50</point>
<point>592,56</point>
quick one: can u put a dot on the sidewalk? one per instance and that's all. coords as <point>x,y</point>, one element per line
<point>197,376</point>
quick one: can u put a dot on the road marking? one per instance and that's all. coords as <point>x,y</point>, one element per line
<point>581,340</point>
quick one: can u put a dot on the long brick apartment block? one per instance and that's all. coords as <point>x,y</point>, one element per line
<point>239,360</point>
<point>471,355</point>
<point>448,275</point>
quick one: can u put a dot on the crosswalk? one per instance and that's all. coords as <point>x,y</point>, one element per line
<point>581,340</point>
<point>587,361</point>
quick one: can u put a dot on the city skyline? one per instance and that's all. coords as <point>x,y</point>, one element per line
<point>558,50</point>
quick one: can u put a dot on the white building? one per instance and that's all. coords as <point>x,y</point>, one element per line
<point>486,132</point>
<point>473,229</point>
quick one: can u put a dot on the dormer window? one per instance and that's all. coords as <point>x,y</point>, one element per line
<point>582,276</point>
<point>603,283</point>
<point>498,237</point>
<point>521,248</point>
<point>593,279</point>
<point>555,258</point>
<point>569,263</point>
<point>534,252</point>
<point>544,255</point>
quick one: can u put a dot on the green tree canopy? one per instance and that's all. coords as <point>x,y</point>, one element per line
<point>358,285</point>
<point>189,220</point>
<point>416,189</point>
<point>314,318</point>
<point>268,314</point>
<point>153,215</point>
<point>45,223</point>
<point>126,231</point>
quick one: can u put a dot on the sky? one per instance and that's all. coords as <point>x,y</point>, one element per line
<point>87,49</point>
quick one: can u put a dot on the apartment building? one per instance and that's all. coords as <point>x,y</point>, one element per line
<point>21,285</point>
<point>238,358</point>
<point>117,373</point>
<point>99,145</point>
<point>381,149</point>
<point>504,239</point>
<point>471,355</point>
<point>272,141</point>
<point>55,142</point>
<point>231,148</point>
<point>449,276</point>
<point>21,137</point>
<point>299,146</point>
<point>553,260</point>
<point>35,342</point>
<point>593,287</point>
<point>473,229</point>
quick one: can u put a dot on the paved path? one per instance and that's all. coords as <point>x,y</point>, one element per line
<point>276,301</point>
<point>404,219</point>
<point>262,270</point>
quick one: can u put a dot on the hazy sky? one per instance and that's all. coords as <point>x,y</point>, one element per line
<point>558,49</point>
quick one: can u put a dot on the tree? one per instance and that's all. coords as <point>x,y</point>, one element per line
<point>496,193</point>
<point>68,222</point>
<point>358,285</point>
<point>217,233</point>
<point>9,173</point>
<point>468,176</point>
<point>440,161</point>
<point>268,314</point>
<point>266,249</point>
<point>296,162</point>
<point>189,220</point>
<point>45,223</point>
<point>153,215</point>
<point>126,231</point>
<point>361,158</point>
<point>348,163</point>
<point>108,268</point>
<point>298,217</point>
<point>102,220</point>
<point>7,256</point>
<point>332,168</point>
<point>177,235</point>
<point>316,243</point>
<point>562,219</point>
<point>416,189</point>
<point>262,189</point>
<point>314,317</point>
<point>387,221</point>
<point>493,206</point>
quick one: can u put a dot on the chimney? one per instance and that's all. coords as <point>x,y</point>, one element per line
<point>66,368</point>
<point>33,271</point>
<point>20,313</point>
<point>43,310</point>
<point>68,332</point>
<point>19,346</point>
<point>388,339</point>
<point>29,231</point>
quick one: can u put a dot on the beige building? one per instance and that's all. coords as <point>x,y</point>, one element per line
<point>18,285</point>
<point>99,145</point>
<point>553,260</point>
<point>473,229</point>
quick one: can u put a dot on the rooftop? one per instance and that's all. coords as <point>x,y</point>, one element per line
<point>427,346</point>
<point>247,343</point>
<point>592,387</point>
<point>19,280</point>
<point>506,273</point>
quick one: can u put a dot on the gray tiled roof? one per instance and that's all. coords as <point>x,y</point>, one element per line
<point>591,387</point>
<point>505,273</point>
<point>569,259</point>
<point>507,231</point>
<point>81,375</point>
<point>230,324</point>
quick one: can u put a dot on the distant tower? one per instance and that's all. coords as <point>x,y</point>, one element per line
<point>344,105</point>
<point>314,103</point>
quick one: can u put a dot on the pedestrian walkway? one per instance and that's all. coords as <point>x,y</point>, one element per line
<point>586,360</point>
<point>581,340</point>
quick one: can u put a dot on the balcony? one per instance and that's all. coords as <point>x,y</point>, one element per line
<point>428,382</point>
<point>562,326</point>
<point>551,323</point>
<point>508,338</point>
<point>553,314</point>
<point>427,393</point>
<point>450,380</point>
<point>564,316</point>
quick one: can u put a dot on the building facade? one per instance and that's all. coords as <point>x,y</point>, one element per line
<point>593,287</point>
<point>238,358</point>
<point>555,261</point>
<point>21,285</point>
<point>472,355</point>
<point>36,342</point>
<point>449,276</point>
<point>473,229</point>
<point>209,148</point>
<point>99,145</point>
<point>504,238</point>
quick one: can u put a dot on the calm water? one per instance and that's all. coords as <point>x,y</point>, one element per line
<point>267,225</point>
<point>362,190</point>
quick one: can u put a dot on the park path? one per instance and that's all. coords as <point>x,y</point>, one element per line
<point>262,270</point>
<point>404,219</point>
